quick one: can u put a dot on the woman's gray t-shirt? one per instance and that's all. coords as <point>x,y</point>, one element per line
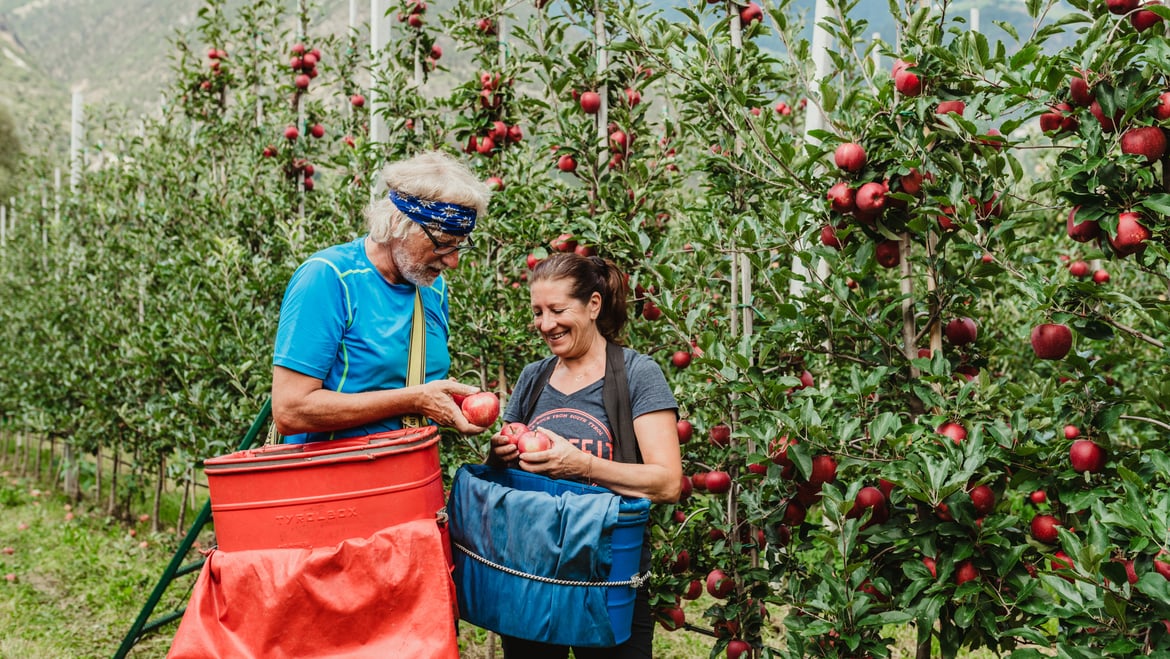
<point>580,416</point>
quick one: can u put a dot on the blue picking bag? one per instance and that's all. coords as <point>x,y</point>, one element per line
<point>545,560</point>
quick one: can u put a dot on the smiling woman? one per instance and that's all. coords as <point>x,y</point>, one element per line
<point>607,410</point>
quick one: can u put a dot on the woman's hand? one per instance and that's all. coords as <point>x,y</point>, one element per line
<point>503,450</point>
<point>563,460</point>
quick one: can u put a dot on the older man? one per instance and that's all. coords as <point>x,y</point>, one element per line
<point>346,322</point>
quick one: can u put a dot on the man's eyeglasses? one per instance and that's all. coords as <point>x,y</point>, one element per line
<point>443,249</point>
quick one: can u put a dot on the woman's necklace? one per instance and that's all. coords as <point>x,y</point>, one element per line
<point>576,378</point>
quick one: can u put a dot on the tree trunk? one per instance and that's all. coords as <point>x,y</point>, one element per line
<point>187,484</point>
<point>112,503</point>
<point>97,474</point>
<point>71,472</point>
<point>37,458</point>
<point>158,492</point>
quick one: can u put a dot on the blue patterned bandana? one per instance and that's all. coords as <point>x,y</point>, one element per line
<point>451,219</point>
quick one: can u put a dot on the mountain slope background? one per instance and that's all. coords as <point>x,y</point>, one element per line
<point>118,52</point>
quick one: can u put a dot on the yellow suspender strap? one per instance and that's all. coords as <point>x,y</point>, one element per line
<point>416,361</point>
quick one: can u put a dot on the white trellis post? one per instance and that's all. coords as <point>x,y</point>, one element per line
<point>76,134</point>
<point>974,19</point>
<point>814,119</point>
<point>379,39</point>
<point>3,225</point>
<point>601,40</point>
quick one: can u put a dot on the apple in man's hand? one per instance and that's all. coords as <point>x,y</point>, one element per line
<point>481,409</point>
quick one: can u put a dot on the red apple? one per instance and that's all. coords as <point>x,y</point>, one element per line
<point>302,81</point>
<point>982,499</point>
<point>850,157</point>
<point>719,585</point>
<point>1130,573</point>
<point>1061,561</point>
<point>720,434</point>
<point>1145,19</point>
<point>564,243</point>
<point>1131,234</point>
<point>1086,455</point>
<point>841,197</point>
<point>1161,565</point>
<point>931,565</point>
<point>1162,110</point>
<point>513,431</point>
<point>907,83</point>
<point>1051,121</point>
<point>954,430</point>
<point>736,648</point>
<point>947,107</point>
<point>887,253</point>
<point>829,237</point>
<point>694,589</point>
<point>650,311</point>
<point>1078,91</point>
<point>961,331</point>
<point>291,133</point>
<point>681,359</point>
<point>871,197</point>
<point>532,442</point>
<point>1078,269</point>
<point>966,571</point>
<point>672,618</point>
<point>806,379</point>
<point>1082,232</point>
<point>751,13</point>
<point>1051,340</point>
<point>718,482</point>
<point>590,102</point>
<point>317,131</point>
<point>824,470</point>
<point>1108,124</point>
<point>685,431</point>
<point>1100,277</point>
<point>566,163</point>
<point>912,182</point>
<point>1038,497</point>
<point>778,452</point>
<point>681,562</point>
<point>481,409</point>
<point>495,183</point>
<point>1148,142</point>
<point>1071,432</point>
<point>870,497</point>
<point>1044,528</point>
<point>1120,7</point>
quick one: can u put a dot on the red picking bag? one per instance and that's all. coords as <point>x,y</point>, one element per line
<point>389,595</point>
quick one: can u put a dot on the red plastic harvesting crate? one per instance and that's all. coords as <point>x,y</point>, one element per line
<point>322,493</point>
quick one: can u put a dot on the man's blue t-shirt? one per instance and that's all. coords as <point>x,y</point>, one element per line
<point>343,323</point>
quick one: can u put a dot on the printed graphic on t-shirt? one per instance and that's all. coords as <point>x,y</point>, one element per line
<point>584,431</point>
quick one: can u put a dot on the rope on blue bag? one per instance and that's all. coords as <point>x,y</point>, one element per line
<point>636,581</point>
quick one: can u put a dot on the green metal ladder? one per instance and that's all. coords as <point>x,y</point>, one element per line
<point>143,625</point>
